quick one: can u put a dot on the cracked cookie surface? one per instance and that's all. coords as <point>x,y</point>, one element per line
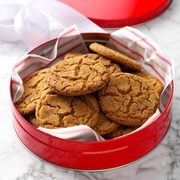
<point>62,111</point>
<point>32,92</point>
<point>32,119</point>
<point>72,55</point>
<point>104,125</point>
<point>110,66</point>
<point>115,56</point>
<point>155,83</point>
<point>128,99</point>
<point>77,76</point>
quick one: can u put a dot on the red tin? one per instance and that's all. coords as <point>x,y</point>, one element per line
<point>93,155</point>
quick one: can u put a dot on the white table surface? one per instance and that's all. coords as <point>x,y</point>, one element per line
<point>16,162</point>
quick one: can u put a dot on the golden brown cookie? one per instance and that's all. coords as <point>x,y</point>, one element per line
<point>63,111</point>
<point>77,76</point>
<point>32,92</point>
<point>128,99</point>
<point>111,67</point>
<point>121,130</point>
<point>104,125</point>
<point>115,56</point>
<point>155,83</point>
<point>32,119</point>
<point>72,55</point>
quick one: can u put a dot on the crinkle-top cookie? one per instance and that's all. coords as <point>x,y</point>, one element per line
<point>110,66</point>
<point>54,110</point>
<point>72,55</point>
<point>104,125</point>
<point>155,83</point>
<point>129,99</point>
<point>33,85</point>
<point>77,76</point>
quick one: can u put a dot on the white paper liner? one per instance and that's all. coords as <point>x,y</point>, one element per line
<point>81,132</point>
<point>127,40</point>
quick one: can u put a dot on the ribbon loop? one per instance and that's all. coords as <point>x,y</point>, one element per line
<point>30,22</point>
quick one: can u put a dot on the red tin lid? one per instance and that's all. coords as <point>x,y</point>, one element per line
<point>117,13</point>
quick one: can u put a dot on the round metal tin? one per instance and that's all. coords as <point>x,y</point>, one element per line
<point>93,155</point>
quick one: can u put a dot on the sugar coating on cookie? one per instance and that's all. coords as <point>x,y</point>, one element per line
<point>104,125</point>
<point>128,99</point>
<point>115,56</point>
<point>32,92</point>
<point>155,82</point>
<point>110,66</point>
<point>77,76</point>
<point>63,111</point>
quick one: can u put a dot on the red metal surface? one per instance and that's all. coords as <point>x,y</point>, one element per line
<point>117,13</point>
<point>93,155</point>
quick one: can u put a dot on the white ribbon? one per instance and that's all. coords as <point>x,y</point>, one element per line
<point>30,23</point>
<point>7,16</point>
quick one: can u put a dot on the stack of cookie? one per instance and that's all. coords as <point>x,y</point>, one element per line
<point>91,89</point>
